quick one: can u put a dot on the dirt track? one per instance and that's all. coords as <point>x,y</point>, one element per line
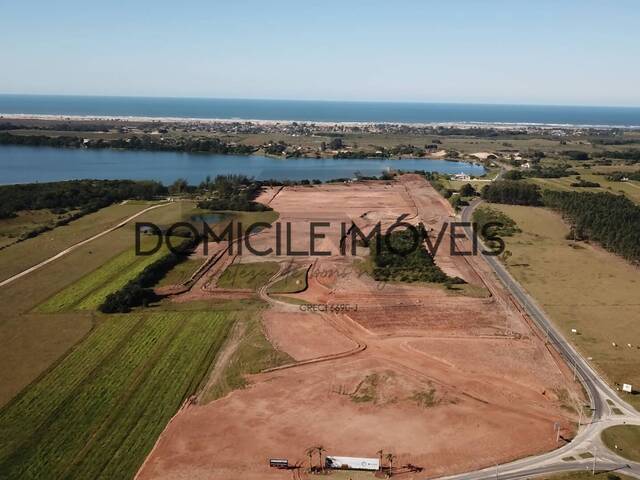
<point>447,382</point>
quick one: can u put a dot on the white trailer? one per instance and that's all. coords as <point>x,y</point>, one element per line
<point>352,463</point>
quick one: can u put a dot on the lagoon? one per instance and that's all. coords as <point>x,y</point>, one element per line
<point>23,164</point>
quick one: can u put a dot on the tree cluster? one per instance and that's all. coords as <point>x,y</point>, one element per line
<point>611,220</point>
<point>512,192</point>
<point>233,192</point>
<point>401,256</point>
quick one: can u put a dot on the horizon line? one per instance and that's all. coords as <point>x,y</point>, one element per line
<point>302,100</point>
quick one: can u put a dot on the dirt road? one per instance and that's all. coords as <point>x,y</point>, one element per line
<point>76,246</point>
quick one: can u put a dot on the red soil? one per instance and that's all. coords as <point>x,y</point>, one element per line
<point>446,381</point>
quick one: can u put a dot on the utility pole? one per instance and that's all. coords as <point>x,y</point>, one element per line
<point>497,471</point>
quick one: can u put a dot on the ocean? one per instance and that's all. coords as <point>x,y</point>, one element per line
<point>319,111</point>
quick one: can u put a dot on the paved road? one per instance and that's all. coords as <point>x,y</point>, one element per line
<point>602,399</point>
<point>75,246</point>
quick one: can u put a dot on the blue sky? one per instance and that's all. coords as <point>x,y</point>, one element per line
<point>541,52</point>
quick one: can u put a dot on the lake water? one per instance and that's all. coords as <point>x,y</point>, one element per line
<point>318,111</point>
<point>21,164</point>
<point>209,218</point>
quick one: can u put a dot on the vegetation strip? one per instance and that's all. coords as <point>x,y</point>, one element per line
<point>103,421</point>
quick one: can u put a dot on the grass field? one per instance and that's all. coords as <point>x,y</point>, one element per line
<point>181,272</point>
<point>247,275</point>
<point>627,440</point>
<point>90,291</point>
<point>252,354</point>
<point>580,286</point>
<point>12,228</point>
<point>38,340</point>
<point>23,255</point>
<point>294,282</point>
<point>99,411</point>
<point>630,189</point>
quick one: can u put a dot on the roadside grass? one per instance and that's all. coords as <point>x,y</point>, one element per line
<point>294,282</point>
<point>32,342</point>
<point>627,440</point>
<point>98,413</point>
<point>580,286</point>
<point>247,275</point>
<point>20,256</point>
<point>587,475</point>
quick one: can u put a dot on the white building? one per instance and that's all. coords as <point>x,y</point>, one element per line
<point>461,176</point>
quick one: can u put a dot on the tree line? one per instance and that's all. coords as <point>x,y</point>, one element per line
<point>540,172</point>
<point>611,220</point>
<point>512,192</point>
<point>138,292</point>
<point>84,195</point>
<point>146,142</point>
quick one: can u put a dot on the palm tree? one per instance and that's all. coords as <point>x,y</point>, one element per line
<point>390,458</point>
<point>320,450</point>
<point>380,453</point>
<point>309,452</point>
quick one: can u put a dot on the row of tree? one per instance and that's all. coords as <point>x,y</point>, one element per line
<point>512,192</point>
<point>84,195</point>
<point>138,292</point>
<point>540,172</point>
<point>145,142</point>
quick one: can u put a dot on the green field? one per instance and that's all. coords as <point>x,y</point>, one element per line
<point>37,340</point>
<point>294,282</point>
<point>181,272</point>
<point>627,440</point>
<point>90,291</point>
<point>247,275</point>
<point>98,413</point>
<point>20,256</point>
<point>580,286</point>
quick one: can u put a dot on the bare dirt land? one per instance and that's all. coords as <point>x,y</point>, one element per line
<point>444,380</point>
